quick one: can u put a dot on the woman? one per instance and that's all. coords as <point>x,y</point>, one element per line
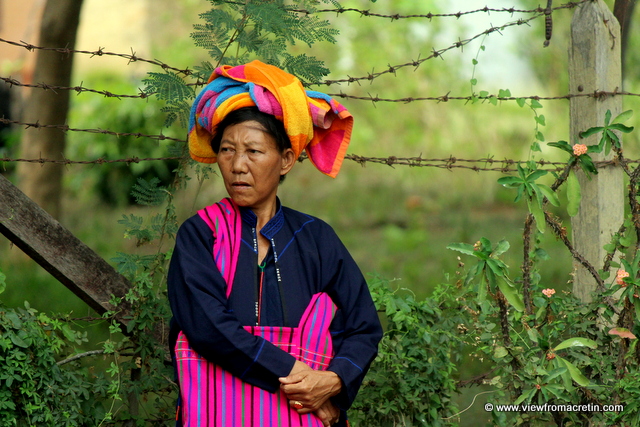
<point>273,322</point>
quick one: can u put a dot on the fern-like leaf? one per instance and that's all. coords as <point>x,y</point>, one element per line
<point>203,71</point>
<point>306,68</point>
<point>127,264</point>
<point>168,86</point>
<point>149,193</point>
<point>179,111</point>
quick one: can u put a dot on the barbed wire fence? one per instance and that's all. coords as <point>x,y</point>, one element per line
<point>452,162</point>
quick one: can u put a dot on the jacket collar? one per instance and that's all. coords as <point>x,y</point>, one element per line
<point>272,227</point>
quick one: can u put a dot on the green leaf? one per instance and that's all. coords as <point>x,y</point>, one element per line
<point>482,288</point>
<point>501,248</point>
<point>526,395</point>
<point>575,373</point>
<point>586,163</point>
<point>168,86</point>
<point>14,319</point>
<point>473,82</point>
<point>500,352</point>
<point>542,255</point>
<point>17,340</point>
<point>625,241</point>
<point>510,181</point>
<point>483,94</point>
<point>465,248</point>
<point>3,283</point>
<point>511,294</point>
<point>540,120</point>
<point>504,93</point>
<point>563,145</point>
<point>535,104</point>
<point>549,194</point>
<point>533,335</point>
<point>539,136</point>
<point>623,117</point>
<point>574,194</point>
<point>495,267</point>
<point>591,131</point>
<point>491,278</point>
<point>536,174</point>
<point>593,149</point>
<point>622,128</point>
<point>607,118</point>
<point>538,215</point>
<point>473,272</point>
<point>553,374</point>
<point>576,342</point>
<point>520,101</point>
<point>149,193</point>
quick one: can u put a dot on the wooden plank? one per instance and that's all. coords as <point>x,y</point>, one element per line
<point>59,252</point>
<point>595,65</point>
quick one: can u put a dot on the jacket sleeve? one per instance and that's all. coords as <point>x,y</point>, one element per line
<point>198,301</point>
<point>357,344</point>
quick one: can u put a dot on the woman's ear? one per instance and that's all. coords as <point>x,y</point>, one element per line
<point>288,160</point>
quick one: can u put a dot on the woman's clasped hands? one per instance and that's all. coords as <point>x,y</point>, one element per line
<point>309,390</point>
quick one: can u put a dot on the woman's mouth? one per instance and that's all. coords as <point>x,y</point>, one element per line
<point>240,184</point>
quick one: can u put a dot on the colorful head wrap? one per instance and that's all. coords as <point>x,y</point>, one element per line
<point>312,120</point>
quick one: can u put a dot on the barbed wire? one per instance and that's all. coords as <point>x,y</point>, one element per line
<point>397,16</point>
<point>489,164</point>
<point>98,161</point>
<point>598,94</point>
<point>438,53</point>
<point>79,89</point>
<point>100,52</point>
<point>392,69</point>
<point>66,128</point>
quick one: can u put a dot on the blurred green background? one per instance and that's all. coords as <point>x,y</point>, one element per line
<point>395,220</point>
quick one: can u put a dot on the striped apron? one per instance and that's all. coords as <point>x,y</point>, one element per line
<point>213,397</point>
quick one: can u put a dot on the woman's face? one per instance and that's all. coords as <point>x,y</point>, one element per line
<point>251,165</point>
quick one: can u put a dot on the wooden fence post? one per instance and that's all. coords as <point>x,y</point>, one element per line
<point>59,252</point>
<point>595,65</point>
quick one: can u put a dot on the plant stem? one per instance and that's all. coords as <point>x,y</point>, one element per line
<point>526,264</point>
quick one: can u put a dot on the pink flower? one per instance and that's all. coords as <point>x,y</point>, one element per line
<point>548,292</point>
<point>579,149</point>
<point>620,275</point>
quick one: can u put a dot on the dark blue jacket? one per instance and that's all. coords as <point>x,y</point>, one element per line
<point>310,259</point>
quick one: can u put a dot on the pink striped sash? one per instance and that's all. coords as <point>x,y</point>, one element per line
<point>212,397</point>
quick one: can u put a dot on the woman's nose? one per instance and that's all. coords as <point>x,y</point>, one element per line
<point>239,163</point>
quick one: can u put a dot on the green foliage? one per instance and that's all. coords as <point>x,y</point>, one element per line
<point>490,270</point>
<point>35,389</point>
<point>411,382</point>
<point>609,137</point>
<point>133,119</point>
<point>235,33</point>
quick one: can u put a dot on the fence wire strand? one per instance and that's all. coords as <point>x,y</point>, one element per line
<point>484,164</point>
<point>597,94</point>
<point>477,165</point>
<point>391,69</point>
<point>429,16</point>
